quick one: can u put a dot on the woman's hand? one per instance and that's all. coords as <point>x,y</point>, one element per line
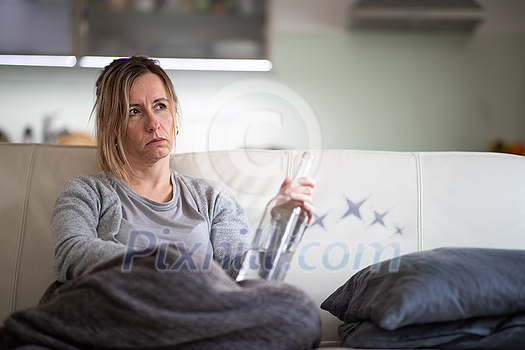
<point>301,194</point>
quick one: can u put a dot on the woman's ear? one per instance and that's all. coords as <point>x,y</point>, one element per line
<point>176,132</point>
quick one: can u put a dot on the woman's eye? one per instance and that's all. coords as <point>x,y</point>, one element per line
<point>134,111</point>
<point>160,106</point>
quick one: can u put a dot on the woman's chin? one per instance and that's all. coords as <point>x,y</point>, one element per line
<point>160,154</point>
<point>153,157</point>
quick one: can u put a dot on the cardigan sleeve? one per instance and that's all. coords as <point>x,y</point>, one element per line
<point>230,233</point>
<point>85,216</point>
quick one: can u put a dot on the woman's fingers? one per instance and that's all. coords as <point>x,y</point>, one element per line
<point>307,181</point>
<point>301,194</point>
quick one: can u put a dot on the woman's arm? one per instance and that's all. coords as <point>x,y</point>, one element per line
<point>230,232</point>
<point>85,216</point>
<point>229,228</point>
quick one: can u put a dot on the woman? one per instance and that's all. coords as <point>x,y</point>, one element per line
<point>165,219</point>
<point>98,217</point>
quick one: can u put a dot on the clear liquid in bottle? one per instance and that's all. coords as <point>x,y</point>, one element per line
<point>280,231</point>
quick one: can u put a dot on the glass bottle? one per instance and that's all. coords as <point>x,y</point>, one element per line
<point>281,229</point>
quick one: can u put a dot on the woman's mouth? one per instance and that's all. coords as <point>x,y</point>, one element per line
<point>156,141</point>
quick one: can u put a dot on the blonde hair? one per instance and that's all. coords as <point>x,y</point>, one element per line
<point>111,108</point>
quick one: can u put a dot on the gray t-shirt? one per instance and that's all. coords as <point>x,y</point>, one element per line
<point>177,221</point>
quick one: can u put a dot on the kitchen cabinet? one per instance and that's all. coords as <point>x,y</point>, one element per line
<point>156,28</point>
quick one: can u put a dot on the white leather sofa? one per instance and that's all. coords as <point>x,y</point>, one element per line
<point>370,206</point>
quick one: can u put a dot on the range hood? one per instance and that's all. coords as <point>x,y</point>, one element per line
<point>417,15</point>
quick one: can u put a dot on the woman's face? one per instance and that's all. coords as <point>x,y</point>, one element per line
<point>150,131</point>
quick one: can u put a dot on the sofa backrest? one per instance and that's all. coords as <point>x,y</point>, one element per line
<point>370,206</point>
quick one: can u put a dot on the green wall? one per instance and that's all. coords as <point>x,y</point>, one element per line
<point>368,91</point>
<point>408,92</point>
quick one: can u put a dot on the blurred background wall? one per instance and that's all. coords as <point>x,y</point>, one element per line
<point>329,87</point>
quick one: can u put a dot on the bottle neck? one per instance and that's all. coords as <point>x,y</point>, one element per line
<point>304,168</point>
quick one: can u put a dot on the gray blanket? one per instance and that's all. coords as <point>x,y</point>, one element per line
<point>190,308</point>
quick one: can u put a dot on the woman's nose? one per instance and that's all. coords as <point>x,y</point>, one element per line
<point>152,123</point>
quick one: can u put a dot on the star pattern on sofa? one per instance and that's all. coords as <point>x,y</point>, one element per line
<point>353,208</point>
<point>366,216</point>
<point>399,230</point>
<point>319,220</point>
<point>379,218</point>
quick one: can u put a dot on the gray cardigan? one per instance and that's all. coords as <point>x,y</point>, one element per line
<point>87,215</point>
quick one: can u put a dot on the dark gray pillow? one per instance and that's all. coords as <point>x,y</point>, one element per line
<point>501,332</point>
<point>440,285</point>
